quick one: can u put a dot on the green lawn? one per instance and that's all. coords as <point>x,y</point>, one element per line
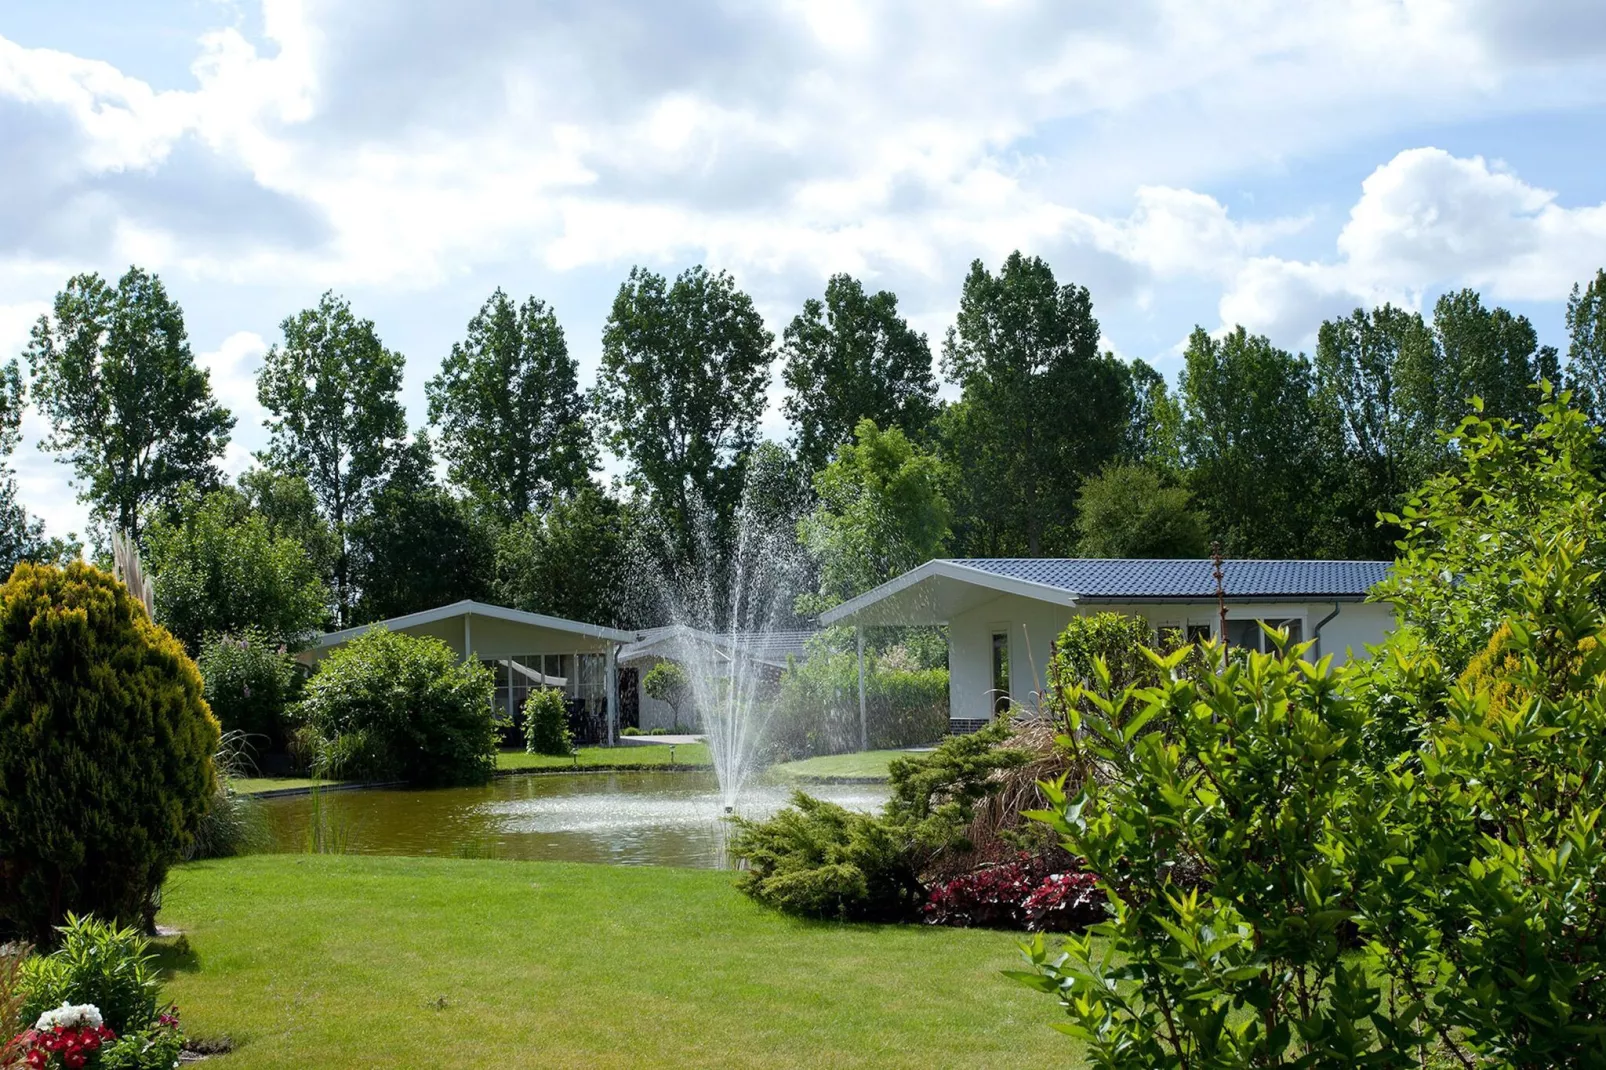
<point>608,757</point>
<point>866,764</point>
<point>251,785</point>
<point>345,961</point>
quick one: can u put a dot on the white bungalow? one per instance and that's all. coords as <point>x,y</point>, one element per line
<point>1003,614</point>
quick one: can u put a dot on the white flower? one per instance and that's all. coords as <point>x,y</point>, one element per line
<point>67,1016</point>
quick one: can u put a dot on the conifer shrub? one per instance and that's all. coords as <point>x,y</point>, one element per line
<point>389,706</point>
<point>106,748</point>
<point>546,722</point>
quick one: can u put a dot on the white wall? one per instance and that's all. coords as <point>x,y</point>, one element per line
<point>1033,626</point>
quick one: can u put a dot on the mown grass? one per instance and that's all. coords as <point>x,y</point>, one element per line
<point>345,961</point>
<point>871,764</point>
<point>253,785</point>
<point>695,754</point>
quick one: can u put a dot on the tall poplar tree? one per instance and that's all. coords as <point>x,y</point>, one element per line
<point>508,404</point>
<point>1586,346</point>
<point>129,409</point>
<point>332,394</point>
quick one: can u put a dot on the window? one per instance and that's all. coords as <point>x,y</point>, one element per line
<point>1198,633</point>
<point>1248,632</point>
<point>1000,672</point>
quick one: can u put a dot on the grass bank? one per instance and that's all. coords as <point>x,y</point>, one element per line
<point>643,756</point>
<point>866,765</point>
<point>344,961</point>
<point>253,785</point>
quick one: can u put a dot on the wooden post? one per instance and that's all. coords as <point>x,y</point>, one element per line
<point>864,724</point>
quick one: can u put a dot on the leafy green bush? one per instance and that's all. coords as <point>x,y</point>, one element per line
<point>249,682</point>
<point>818,859</point>
<point>95,963</point>
<point>389,706</point>
<point>667,682</point>
<point>816,708</point>
<point>106,748</point>
<point>546,722</point>
<point>1389,868</point>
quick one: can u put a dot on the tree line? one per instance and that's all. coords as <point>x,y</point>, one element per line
<point>1054,446</point>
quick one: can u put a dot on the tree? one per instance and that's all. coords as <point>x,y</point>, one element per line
<point>852,357</point>
<point>507,401</point>
<point>417,547</point>
<point>287,504</point>
<point>128,407</point>
<point>1128,510</point>
<point>336,419</point>
<point>881,512</point>
<point>1045,408</point>
<point>1251,437</point>
<point>680,392</point>
<point>667,682</point>
<point>1154,432</point>
<point>573,561</point>
<point>1586,347</point>
<point>220,569</point>
<point>1381,377</point>
<point>22,537</point>
<point>1490,354</point>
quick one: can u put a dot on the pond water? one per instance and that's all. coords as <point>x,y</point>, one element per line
<point>629,819</point>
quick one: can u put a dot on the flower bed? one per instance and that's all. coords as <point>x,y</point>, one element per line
<point>1021,894</point>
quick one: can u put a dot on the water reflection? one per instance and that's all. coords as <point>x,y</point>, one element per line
<point>630,819</point>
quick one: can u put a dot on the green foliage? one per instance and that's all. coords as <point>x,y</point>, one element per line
<point>249,682</point>
<point>667,682</point>
<point>852,358</point>
<point>389,706</point>
<point>1586,346</point>
<point>817,859</point>
<point>934,795</point>
<point>1127,510</point>
<point>332,395</point>
<point>417,547</point>
<point>1106,647</point>
<point>128,408</point>
<point>508,404</point>
<point>105,750</point>
<point>100,963</point>
<point>22,537</point>
<point>220,568</point>
<point>1043,408</point>
<point>685,367</point>
<point>881,512</point>
<point>1491,354</point>
<point>546,722</point>
<point>816,708</point>
<point>1154,432</point>
<point>573,561</point>
<point>1472,533</point>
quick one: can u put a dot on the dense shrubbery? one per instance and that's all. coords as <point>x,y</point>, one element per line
<point>249,682</point>
<point>388,706</point>
<point>1393,868</point>
<point>818,859</point>
<point>111,970</point>
<point>546,722</point>
<point>106,748</point>
<point>816,709</point>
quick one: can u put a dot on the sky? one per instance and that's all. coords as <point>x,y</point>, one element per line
<point>1191,162</point>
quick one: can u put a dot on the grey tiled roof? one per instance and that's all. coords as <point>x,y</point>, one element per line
<point>1103,578</point>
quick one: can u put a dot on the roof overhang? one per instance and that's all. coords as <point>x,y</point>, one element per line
<point>934,593</point>
<point>468,608</point>
<point>674,642</point>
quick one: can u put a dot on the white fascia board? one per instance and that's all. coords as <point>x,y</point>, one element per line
<point>478,609</point>
<point>951,570</point>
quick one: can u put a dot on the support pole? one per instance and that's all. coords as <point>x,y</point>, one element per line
<point>468,637</point>
<point>611,686</point>
<point>864,723</point>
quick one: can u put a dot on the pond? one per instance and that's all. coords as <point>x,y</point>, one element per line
<point>628,819</point>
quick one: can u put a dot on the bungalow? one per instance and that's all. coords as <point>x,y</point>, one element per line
<point>1003,614</point>
<point>768,652</point>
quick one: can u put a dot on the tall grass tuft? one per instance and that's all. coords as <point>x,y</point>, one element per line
<point>328,831</point>
<point>235,824</point>
<point>12,1023</point>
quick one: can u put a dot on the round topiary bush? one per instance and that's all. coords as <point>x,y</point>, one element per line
<point>249,680</point>
<point>388,706</point>
<point>106,751</point>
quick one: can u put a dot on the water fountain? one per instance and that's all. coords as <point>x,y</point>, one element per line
<point>727,596</point>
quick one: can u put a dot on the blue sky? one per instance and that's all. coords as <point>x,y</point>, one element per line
<point>1192,162</point>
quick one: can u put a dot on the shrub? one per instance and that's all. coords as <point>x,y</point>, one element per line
<point>816,708</point>
<point>249,681</point>
<point>388,706</point>
<point>105,750</point>
<point>1118,641</point>
<point>100,964</point>
<point>1021,894</point>
<point>820,860</point>
<point>546,722</point>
